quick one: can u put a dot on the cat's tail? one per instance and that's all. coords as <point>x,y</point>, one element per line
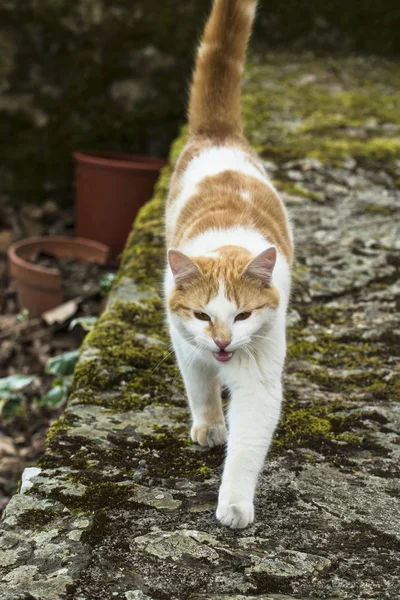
<point>214,108</point>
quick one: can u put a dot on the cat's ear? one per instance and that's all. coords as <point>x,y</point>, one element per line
<point>262,266</point>
<point>182,267</point>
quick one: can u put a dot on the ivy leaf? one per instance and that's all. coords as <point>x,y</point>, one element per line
<point>63,364</point>
<point>54,397</point>
<point>106,283</point>
<point>63,380</point>
<point>9,405</point>
<point>14,383</point>
<point>87,323</point>
<point>23,316</point>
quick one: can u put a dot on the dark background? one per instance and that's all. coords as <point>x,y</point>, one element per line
<point>113,75</point>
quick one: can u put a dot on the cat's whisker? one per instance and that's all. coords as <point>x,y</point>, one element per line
<point>271,340</point>
<point>170,350</point>
<point>162,360</point>
<point>253,359</point>
<point>263,337</point>
<point>192,357</point>
<point>192,353</point>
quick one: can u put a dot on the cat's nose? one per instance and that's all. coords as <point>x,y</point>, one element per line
<point>222,344</point>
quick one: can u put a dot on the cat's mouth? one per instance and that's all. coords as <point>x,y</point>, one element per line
<point>223,355</point>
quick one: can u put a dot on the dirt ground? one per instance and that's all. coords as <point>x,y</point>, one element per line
<point>26,344</point>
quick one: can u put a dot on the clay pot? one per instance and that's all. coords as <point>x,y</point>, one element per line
<point>39,288</point>
<point>110,189</point>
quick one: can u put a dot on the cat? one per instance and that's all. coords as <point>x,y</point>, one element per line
<point>227,281</point>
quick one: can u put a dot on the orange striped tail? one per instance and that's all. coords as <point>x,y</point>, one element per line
<point>214,108</point>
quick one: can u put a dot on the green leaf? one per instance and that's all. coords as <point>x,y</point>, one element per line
<point>63,380</point>
<point>87,323</point>
<point>66,380</point>
<point>63,364</point>
<point>23,315</point>
<point>54,397</point>
<point>10,405</point>
<point>13,383</point>
<point>106,283</point>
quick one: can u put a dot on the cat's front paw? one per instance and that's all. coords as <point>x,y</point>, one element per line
<point>236,515</point>
<point>209,435</point>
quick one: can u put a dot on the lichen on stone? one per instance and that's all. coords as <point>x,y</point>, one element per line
<point>322,118</point>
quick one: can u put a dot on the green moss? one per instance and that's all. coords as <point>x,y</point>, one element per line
<point>295,189</point>
<point>325,350</point>
<point>89,375</point>
<point>36,518</point>
<point>128,364</point>
<point>300,428</point>
<point>368,382</point>
<point>59,428</point>
<point>288,119</point>
<point>299,272</point>
<point>363,365</point>
<point>179,458</point>
<point>377,150</point>
<point>316,426</point>
<point>320,313</point>
<point>168,455</point>
<point>98,496</point>
<point>388,389</point>
<point>106,495</point>
<point>143,257</point>
<point>329,428</point>
<point>377,209</point>
<point>344,367</point>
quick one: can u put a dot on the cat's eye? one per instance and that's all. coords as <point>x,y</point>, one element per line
<point>202,316</point>
<point>242,316</point>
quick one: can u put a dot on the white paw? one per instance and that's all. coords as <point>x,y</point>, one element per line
<point>237,515</point>
<point>209,435</point>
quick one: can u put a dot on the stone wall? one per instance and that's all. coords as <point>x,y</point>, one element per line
<point>90,74</point>
<point>123,506</point>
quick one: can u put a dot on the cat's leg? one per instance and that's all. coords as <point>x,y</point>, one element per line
<point>204,395</point>
<point>252,418</point>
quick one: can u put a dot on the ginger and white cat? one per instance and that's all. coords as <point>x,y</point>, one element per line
<point>228,277</point>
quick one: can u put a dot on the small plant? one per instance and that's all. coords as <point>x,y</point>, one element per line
<point>106,283</point>
<point>23,316</point>
<point>57,394</point>
<point>63,364</point>
<point>12,388</point>
<point>11,396</point>
<point>63,367</point>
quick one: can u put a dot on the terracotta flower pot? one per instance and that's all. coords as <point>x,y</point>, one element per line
<point>110,189</point>
<point>39,288</point>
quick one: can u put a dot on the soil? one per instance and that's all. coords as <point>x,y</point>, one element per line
<point>77,278</point>
<point>26,344</point>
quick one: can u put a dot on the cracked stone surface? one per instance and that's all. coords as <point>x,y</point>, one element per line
<point>123,506</point>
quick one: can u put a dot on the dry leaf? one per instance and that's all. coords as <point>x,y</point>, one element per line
<point>61,313</point>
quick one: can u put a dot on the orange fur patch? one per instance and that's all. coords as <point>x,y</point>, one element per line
<point>215,99</point>
<point>247,292</point>
<point>232,199</point>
